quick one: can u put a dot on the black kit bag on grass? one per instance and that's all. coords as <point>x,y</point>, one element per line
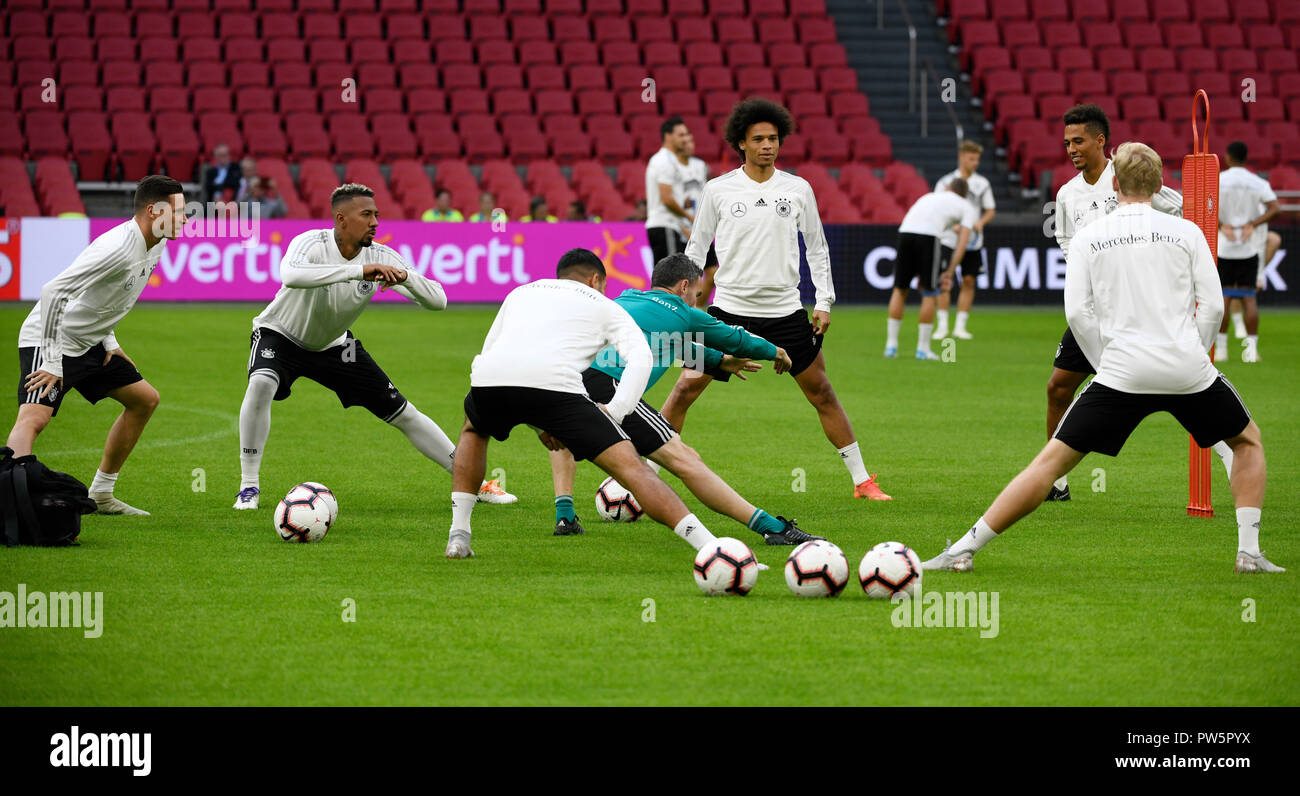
<point>39,506</point>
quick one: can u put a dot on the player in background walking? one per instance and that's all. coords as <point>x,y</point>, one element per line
<point>754,215</point>
<point>329,278</point>
<point>919,257</point>
<point>1241,193</point>
<point>68,341</point>
<point>1144,301</point>
<point>980,194</point>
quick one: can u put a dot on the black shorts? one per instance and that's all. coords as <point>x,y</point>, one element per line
<point>573,419</point>
<point>87,374</point>
<point>1101,419</point>
<point>1239,273</point>
<point>347,370</point>
<point>647,429</point>
<point>918,256</point>
<point>711,259</point>
<point>665,241</point>
<point>1070,357</point>
<point>972,262</point>
<point>794,333</point>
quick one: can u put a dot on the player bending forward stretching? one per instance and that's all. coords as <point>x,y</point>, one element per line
<point>670,322</point>
<point>1144,302</point>
<point>304,332</point>
<point>67,340</point>
<point>530,372</point>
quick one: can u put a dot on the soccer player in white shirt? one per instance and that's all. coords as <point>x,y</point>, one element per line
<point>530,373</point>
<point>919,257</point>
<point>1144,301</point>
<point>695,175</point>
<point>67,341</point>
<point>754,216</point>
<point>980,194</point>
<point>329,278</point>
<point>663,188</point>
<point>1240,195</point>
<point>1082,200</point>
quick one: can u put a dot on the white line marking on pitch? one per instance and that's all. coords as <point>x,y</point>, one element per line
<point>232,428</point>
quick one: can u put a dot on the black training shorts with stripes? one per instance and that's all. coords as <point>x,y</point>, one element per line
<point>1070,357</point>
<point>1101,419</point>
<point>647,429</point>
<point>87,374</point>
<point>571,418</point>
<point>348,370</point>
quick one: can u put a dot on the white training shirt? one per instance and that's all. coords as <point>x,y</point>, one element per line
<point>1079,204</point>
<point>695,173</point>
<point>323,293</point>
<point>1240,195</point>
<point>755,228</point>
<point>939,211</point>
<point>980,195</point>
<point>663,168</point>
<point>81,306</point>
<point>1143,298</point>
<point>549,331</point>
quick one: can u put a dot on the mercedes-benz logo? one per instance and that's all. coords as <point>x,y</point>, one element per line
<point>738,209</point>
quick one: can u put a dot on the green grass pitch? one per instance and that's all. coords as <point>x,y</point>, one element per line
<point>1116,598</point>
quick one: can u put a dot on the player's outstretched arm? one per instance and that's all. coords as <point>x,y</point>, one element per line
<point>1079,309</point>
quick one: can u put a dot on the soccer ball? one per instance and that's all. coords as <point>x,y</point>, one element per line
<point>890,568</point>
<point>725,566</point>
<point>817,569</point>
<point>306,513</point>
<point>330,500</point>
<point>615,504</point>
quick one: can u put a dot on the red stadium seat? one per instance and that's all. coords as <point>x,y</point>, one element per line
<point>1069,59</point>
<point>817,30</point>
<point>461,76</point>
<point>1276,61</point>
<point>500,76</point>
<point>1033,59</point>
<point>1061,33</point>
<point>74,48</point>
<point>578,52</point>
<point>133,144</point>
<point>662,53</point>
<point>1143,34</point>
<point>827,54</point>
<point>92,144</point>
<point>756,80</point>
<point>1128,83</point>
<point>115,48</point>
<point>533,53</point>
<point>1194,58</point>
<point>553,101</point>
<point>1211,11</point>
<point>468,101</point>
<point>162,99</point>
<point>742,54</point>
<point>679,103</point>
<point>86,73</point>
<point>1087,81</point>
<point>1264,37</point>
<point>1157,60</point>
<point>798,79</point>
<point>1266,109</point>
<point>837,79</point>
<point>1238,61</point>
<point>511,101</point>
<point>1020,34</point>
<point>703,53</point>
<point>204,73</point>
<point>772,31</point>
<point>849,106</point>
<point>784,55</point>
<point>298,100</point>
<point>1131,11</point>
<point>425,100</point>
<point>1170,83</point>
<point>414,75</point>
<point>1102,34</point>
<point>607,29</point>
<point>529,28</point>
<point>713,78</point>
<point>1041,83</point>
<point>618,53</point>
<point>577,29</point>
<point>985,59</point>
<point>409,26</point>
<point>1008,9</point>
<point>254,100</point>
<point>211,99</point>
<point>1223,36</point>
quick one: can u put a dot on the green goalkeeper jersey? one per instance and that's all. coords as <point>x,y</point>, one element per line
<point>677,331</point>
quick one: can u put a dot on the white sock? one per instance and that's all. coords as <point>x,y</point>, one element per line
<point>1239,322</point>
<point>425,435</point>
<point>943,318</point>
<point>979,535</point>
<point>961,320</point>
<point>1222,341</point>
<point>1225,456</point>
<point>892,325</point>
<point>254,427</point>
<point>852,457</point>
<point>1248,530</point>
<point>1252,341</point>
<point>1061,483</point>
<point>924,331</point>
<point>103,482</point>
<point>462,506</point>
<point>694,532</point>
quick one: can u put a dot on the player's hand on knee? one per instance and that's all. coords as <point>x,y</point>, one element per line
<point>43,381</point>
<point>117,352</point>
<point>739,365</point>
<point>550,441</point>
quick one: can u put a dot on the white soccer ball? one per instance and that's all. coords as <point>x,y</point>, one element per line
<point>306,513</point>
<point>890,568</point>
<point>725,566</point>
<point>817,569</point>
<point>615,504</point>
<point>330,499</point>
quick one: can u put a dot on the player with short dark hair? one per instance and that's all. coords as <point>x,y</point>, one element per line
<point>329,278</point>
<point>68,341</point>
<point>1144,301</point>
<point>980,195</point>
<point>1241,194</point>
<point>664,182</point>
<point>676,330</point>
<point>919,253</point>
<point>544,336</point>
<point>754,216</point>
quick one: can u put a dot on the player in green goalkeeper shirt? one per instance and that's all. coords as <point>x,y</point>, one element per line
<point>675,330</point>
